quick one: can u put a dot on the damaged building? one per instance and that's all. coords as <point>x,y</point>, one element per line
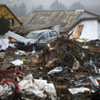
<point>8,14</point>
<point>63,21</point>
<point>64,69</point>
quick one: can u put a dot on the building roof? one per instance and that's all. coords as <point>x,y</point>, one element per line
<point>24,19</point>
<point>66,19</point>
<point>11,12</point>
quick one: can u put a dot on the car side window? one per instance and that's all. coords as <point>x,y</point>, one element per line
<point>44,36</point>
<point>53,34</point>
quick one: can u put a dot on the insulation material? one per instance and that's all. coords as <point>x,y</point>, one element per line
<point>4,43</point>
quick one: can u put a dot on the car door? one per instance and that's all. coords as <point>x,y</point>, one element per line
<point>43,40</point>
<point>53,35</point>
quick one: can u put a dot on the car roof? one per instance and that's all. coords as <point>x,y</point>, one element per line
<point>40,31</point>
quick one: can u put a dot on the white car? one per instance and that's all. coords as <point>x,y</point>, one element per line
<point>41,38</point>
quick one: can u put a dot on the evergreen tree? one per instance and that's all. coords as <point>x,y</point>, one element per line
<point>22,10</point>
<point>19,10</point>
<point>4,25</point>
<point>77,6</point>
<point>56,5</point>
<point>39,8</point>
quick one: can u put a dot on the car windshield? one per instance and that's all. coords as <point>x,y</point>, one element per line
<point>33,35</point>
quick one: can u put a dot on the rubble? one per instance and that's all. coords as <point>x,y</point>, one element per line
<point>64,69</point>
<point>38,87</point>
<point>63,53</point>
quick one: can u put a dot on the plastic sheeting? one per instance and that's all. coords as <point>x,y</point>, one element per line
<point>38,87</point>
<point>1,88</point>
<point>78,90</point>
<point>55,70</point>
<point>4,43</point>
<point>17,62</point>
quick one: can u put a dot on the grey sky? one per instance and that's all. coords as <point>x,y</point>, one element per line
<point>47,3</point>
<point>85,2</point>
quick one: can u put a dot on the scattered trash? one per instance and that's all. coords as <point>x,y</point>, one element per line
<point>9,81</point>
<point>19,52</point>
<point>55,70</point>
<point>76,65</point>
<point>94,81</point>
<point>24,60</point>
<point>63,69</point>
<point>1,88</point>
<point>78,90</point>
<point>17,62</point>
<point>38,87</point>
<point>4,43</point>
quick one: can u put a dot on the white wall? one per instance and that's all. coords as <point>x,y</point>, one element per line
<point>56,28</point>
<point>99,30</point>
<point>90,29</point>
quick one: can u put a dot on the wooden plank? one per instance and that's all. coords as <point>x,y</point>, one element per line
<point>78,31</point>
<point>76,34</point>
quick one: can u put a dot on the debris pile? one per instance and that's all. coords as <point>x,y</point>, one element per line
<point>61,52</point>
<point>64,69</point>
